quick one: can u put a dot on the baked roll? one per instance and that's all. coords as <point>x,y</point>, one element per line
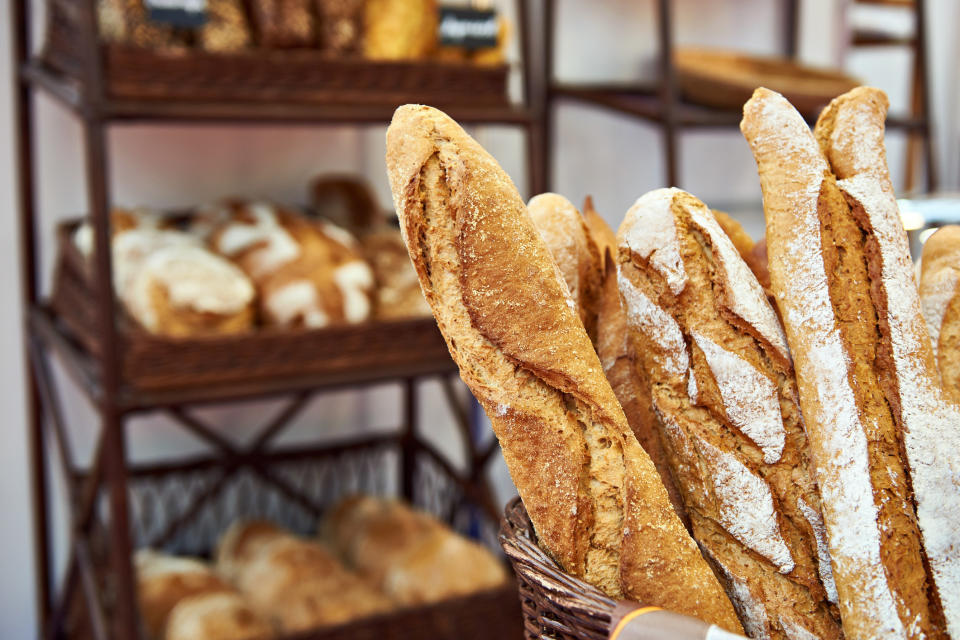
<point>632,390</point>
<point>220,615</point>
<point>243,540</point>
<point>226,28</point>
<point>299,585</point>
<point>875,419</point>
<point>408,554</point>
<point>398,292</point>
<point>164,580</point>
<point>308,273</point>
<point>399,29</point>
<point>594,497</point>
<point>121,220</point>
<point>704,336</point>
<point>565,233</point>
<point>939,269</point>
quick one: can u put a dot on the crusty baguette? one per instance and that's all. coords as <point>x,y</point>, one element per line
<point>939,288</point>
<point>593,495</point>
<point>566,235</point>
<point>850,132</point>
<point>819,278</point>
<point>703,333</point>
<point>632,390</point>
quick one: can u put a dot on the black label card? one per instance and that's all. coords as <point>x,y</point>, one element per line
<point>179,13</point>
<point>468,28</point>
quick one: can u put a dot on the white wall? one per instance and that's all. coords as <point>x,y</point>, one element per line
<point>609,156</point>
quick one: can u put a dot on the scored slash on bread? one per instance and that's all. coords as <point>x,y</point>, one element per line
<point>843,282</point>
<point>704,337</point>
<point>593,495</point>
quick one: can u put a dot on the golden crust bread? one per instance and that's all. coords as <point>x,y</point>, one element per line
<point>940,303</point>
<point>216,616</point>
<point>243,540</point>
<point>632,390</point>
<point>819,272</point>
<point>851,134</point>
<point>566,235</point>
<point>727,403</point>
<point>593,495</point>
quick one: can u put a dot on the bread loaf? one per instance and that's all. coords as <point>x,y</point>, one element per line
<point>703,333</point>
<point>216,616</point>
<point>164,580</point>
<point>632,390</point>
<point>594,497</point>
<point>837,276</point>
<point>568,239</point>
<point>241,542</point>
<point>408,554</point>
<point>939,280</point>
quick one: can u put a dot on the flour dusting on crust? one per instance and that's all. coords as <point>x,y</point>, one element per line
<point>823,550</point>
<point>653,236</point>
<point>750,398</point>
<point>645,316</point>
<point>746,506</point>
<point>746,296</point>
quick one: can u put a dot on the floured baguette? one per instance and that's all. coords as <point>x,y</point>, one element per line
<point>567,237</point>
<point>703,333</point>
<point>594,497</point>
<point>631,390</point>
<point>824,268</point>
<point>940,301</point>
<point>850,132</point>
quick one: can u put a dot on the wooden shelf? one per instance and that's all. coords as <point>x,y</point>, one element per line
<point>70,93</point>
<point>871,38</point>
<point>84,369</point>
<point>642,101</point>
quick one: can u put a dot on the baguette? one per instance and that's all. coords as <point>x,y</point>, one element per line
<point>632,390</point>
<point>828,283</point>
<point>566,235</point>
<point>593,495</point>
<point>703,333</point>
<point>939,286</point>
<point>850,132</point>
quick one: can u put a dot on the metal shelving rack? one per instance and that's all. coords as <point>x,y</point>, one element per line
<point>100,376</point>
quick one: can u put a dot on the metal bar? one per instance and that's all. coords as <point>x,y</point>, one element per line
<point>921,68</point>
<point>668,93</point>
<point>548,113</point>
<point>282,420</point>
<point>55,622</point>
<point>460,418</point>
<point>173,526</point>
<point>91,591</point>
<point>23,133</point>
<point>61,438</point>
<point>476,491</point>
<point>791,27</point>
<point>408,439</point>
<point>198,428</point>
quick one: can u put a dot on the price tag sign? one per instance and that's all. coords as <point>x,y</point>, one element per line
<point>179,13</point>
<point>468,28</point>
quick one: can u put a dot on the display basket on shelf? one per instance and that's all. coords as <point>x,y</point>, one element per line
<point>266,75</point>
<point>339,353</point>
<point>182,507</point>
<point>556,605</point>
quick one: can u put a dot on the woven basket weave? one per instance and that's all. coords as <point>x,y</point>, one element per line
<point>555,604</point>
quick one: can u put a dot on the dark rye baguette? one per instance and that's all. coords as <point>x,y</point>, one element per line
<point>703,333</point>
<point>568,239</point>
<point>851,135</point>
<point>821,277</point>
<point>593,495</point>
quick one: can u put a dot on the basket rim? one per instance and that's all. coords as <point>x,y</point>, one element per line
<point>534,566</point>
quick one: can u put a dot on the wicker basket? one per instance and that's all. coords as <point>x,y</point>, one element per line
<point>556,606</point>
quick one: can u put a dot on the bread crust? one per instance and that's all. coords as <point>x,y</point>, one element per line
<point>850,132</point>
<point>593,495</point>
<point>568,238</point>
<point>823,294</point>
<point>727,404</point>
<point>940,304</point>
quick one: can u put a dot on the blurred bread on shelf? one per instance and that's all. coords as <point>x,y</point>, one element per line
<point>243,540</point>
<point>128,22</point>
<point>410,555</point>
<point>299,585</point>
<point>399,29</point>
<point>398,289</point>
<point>226,29</point>
<point>282,23</point>
<point>340,26</point>
<point>219,615</point>
<point>165,580</point>
<point>308,273</point>
<point>346,201</point>
<point>121,219</point>
<point>940,302</point>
